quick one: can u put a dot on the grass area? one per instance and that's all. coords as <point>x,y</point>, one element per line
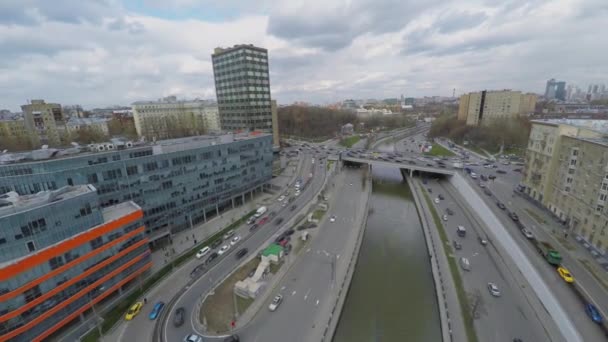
<point>598,276</point>
<point>243,303</point>
<point>350,141</point>
<point>329,164</point>
<point>535,216</point>
<point>318,214</point>
<point>440,151</point>
<point>111,317</point>
<point>274,268</point>
<point>463,299</point>
<point>218,308</point>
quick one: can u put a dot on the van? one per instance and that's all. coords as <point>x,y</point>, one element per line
<point>465,264</point>
<point>260,211</point>
<point>461,231</point>
<point>203,252</point>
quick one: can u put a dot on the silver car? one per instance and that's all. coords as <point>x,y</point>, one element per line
<point>493,288</point>
<point>193,338</point>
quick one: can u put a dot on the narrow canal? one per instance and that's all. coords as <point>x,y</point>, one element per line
<point>392,295</point>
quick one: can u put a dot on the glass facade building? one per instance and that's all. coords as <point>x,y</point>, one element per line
<point>60,253</point>
<point>242,87</point>
<point>177,183</point>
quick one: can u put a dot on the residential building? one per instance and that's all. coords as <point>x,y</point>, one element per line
<point>61,253</point>
<point>177,183</point>
<point>211,118</point>
<point>45,122</point>
<point>567,172</point>
<point>275,123</point>
<point>488,105</point>
<point>13,133</point>
<point>75,124</point>
<point>242,87</point>
<point>366,113</point>
<point>171,118</point>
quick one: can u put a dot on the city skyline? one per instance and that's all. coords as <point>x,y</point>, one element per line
<point>114,52</point>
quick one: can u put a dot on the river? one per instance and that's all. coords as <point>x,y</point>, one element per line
<point>392,295</point>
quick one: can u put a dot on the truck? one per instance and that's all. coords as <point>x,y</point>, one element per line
<point>457,165</point>
<point>548,252</point>
<point>260,211</point>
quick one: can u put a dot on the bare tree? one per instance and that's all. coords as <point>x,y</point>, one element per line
<point>476,304</point>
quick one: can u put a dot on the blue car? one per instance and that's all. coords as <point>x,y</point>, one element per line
<point>158,307</point>
<point>594,313</point>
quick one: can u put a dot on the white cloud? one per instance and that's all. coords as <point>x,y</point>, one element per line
<point>107,55</point>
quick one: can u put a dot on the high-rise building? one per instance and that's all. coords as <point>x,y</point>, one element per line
<point>483,107</point>
<point>550,89</point>
<point>566,172</point>
<point>45,122</point>
<point>177,182</point>
<point>60,254</point>
<point>555,90</point>
<point>242,87</point>
<point>172,118</point>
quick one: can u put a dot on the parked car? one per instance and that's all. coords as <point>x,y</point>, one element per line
<point>216,243</point>
<point>483,178</point>
<point>212,257</point>
<point>276,301</point>
<point>528,234</point>
<point>228,234</point>
<point>251,220</point>
<point>278,221</point>
<point>203,252</point>
<point>332,218</point>
<point>487,192</point>
<point>501,205</point>
<point>289,232</point>
<point>241,253</point>
<point>224,249</point>
<point>235,240</point>
<point>293,207</point>
<point>449,211</point>
<point>513,216</point>
<point>437,200</point>
<point>445,217</point>
<point>179,317</point>
<point>193,338</point>
<point>491,177</point>
<point>465,264</point>
<point>133,311</point>
<point>457,245</point>
<point>281,198</point>
<point>501,171</point>
<point>482,240</point>
<point>517,170</point>
<point>565,274</point>
<point>440,196</point>
<point>493,288</point>
<point>593,313</point>
<point>158,307</point>
<point>253,227</point>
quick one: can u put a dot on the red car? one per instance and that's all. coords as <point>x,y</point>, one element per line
<point>262,221</point>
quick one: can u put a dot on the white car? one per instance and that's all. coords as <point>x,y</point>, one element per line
<point>437,200</point>
<point>281,199</point>
<point>297,193</point>
<point>223,250</point>
<point>276,301</point>
<point>235,240</point>
<point>332,218</point>
<point>203,252</point>
<point>528,234</point>
<point>473,175</point>
<point>193,338</point>
<point>493,288</point>
<point>445,217</point>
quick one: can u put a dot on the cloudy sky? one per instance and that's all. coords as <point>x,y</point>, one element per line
<point>106,52</point>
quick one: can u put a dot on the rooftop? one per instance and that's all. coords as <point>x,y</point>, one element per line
<point>220,50</point>
<point>600,126</point>
<point>85,121</point>
<point>174,100</point>
<point>158,147</point>
<point>12,203</point>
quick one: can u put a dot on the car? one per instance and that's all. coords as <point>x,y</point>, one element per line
<point>232,338</point>
<point>251,220</point>
<point>440,196</point>
<point>514,216</point>
<point>445,217</point>
<point>235,240</point>
<point>293,207</point>
<point>179,317</point>
<point>436,200</point>
<point>203,252</point>
<point>482,240</point>
<point>133,311</point>
<point>528,234</point>
<point>517,170</point>
<point>193,338</point>
<point>281,199</point>
<point>241,253</point>
<point>482,185</point>
<point>216,243</point>
<point>593,313</point>
<point>224,249</point>
<point>483,178</point>
<point>212,257</point>
<point>430,190</point>
<point>289,232</point>
<point>487,192</point>
<point>332,218</point>
<point>263,220</point>
<point>297,193</point>
<point>491,177</point>
<point>457,245</point>
<point>284,204</point>
<point>449,211</point>
<point>228,234</point>
<point>501,171</point>
<point>473,175</point>
<point>501,205</point>
<point>493,288</point>
<point>565,274</point>
<point>276,301</point>
<point>278,221</point>
<point>253,227</point>
<point>158,307</point>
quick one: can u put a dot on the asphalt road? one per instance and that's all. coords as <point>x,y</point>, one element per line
<point>310,286</point>
<point>500,318</point>
<point>502,190</point>
<point>220,269</point>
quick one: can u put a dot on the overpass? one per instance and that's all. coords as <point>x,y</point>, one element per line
<point>405,166</point>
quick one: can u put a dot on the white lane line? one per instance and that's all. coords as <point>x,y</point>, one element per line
<point>317,302</point>
<point>293,293</point>
<point>282,287</point>
<point>338,256</point>
<point>306,295</point>
<point>308,250</point>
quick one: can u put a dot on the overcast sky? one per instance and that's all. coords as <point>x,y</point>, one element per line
<point>106,52</point>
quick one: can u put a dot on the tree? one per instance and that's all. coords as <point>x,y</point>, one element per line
<point>122,127</point>
<point>476,304</point>
<point>87,135</point>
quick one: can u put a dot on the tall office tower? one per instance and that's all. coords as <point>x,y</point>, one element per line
<point>242,87</point>
<point>550,89</point>
<point>560,90</point>
<point>44,122</point>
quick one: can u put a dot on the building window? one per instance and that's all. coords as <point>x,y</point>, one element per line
<point>30,246</point>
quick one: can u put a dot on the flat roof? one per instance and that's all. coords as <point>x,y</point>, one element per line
<point>12,203</point>
<point>218,51</point>
<point>600,126</point>
<point>119,210</point>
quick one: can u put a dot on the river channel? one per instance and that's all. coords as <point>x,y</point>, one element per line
<point>392,294</point>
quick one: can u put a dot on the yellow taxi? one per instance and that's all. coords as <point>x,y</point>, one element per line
<point>133,311</point>
<point>565,274</point>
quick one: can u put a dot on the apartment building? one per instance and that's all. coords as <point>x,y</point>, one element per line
<point>74,124</point>
<point>61,253</point>
<point>171,118</point>
<point>45,122</point>
<point>567,171</point>
<point>483,107</point>
<point>177,183</point>
<point>13,131</point>
<point>242,87</point>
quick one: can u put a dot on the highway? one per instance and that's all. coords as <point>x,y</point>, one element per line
<point>309,288</point>
<point>220,269</point>
<point>499,318</point>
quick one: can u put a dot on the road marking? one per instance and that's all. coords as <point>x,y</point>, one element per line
<point>308,250</point>
<point>338,256</point>
<point>293,293</point>
<point>317,302</point>
<point>306,295</point>
<point>283,288</point>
